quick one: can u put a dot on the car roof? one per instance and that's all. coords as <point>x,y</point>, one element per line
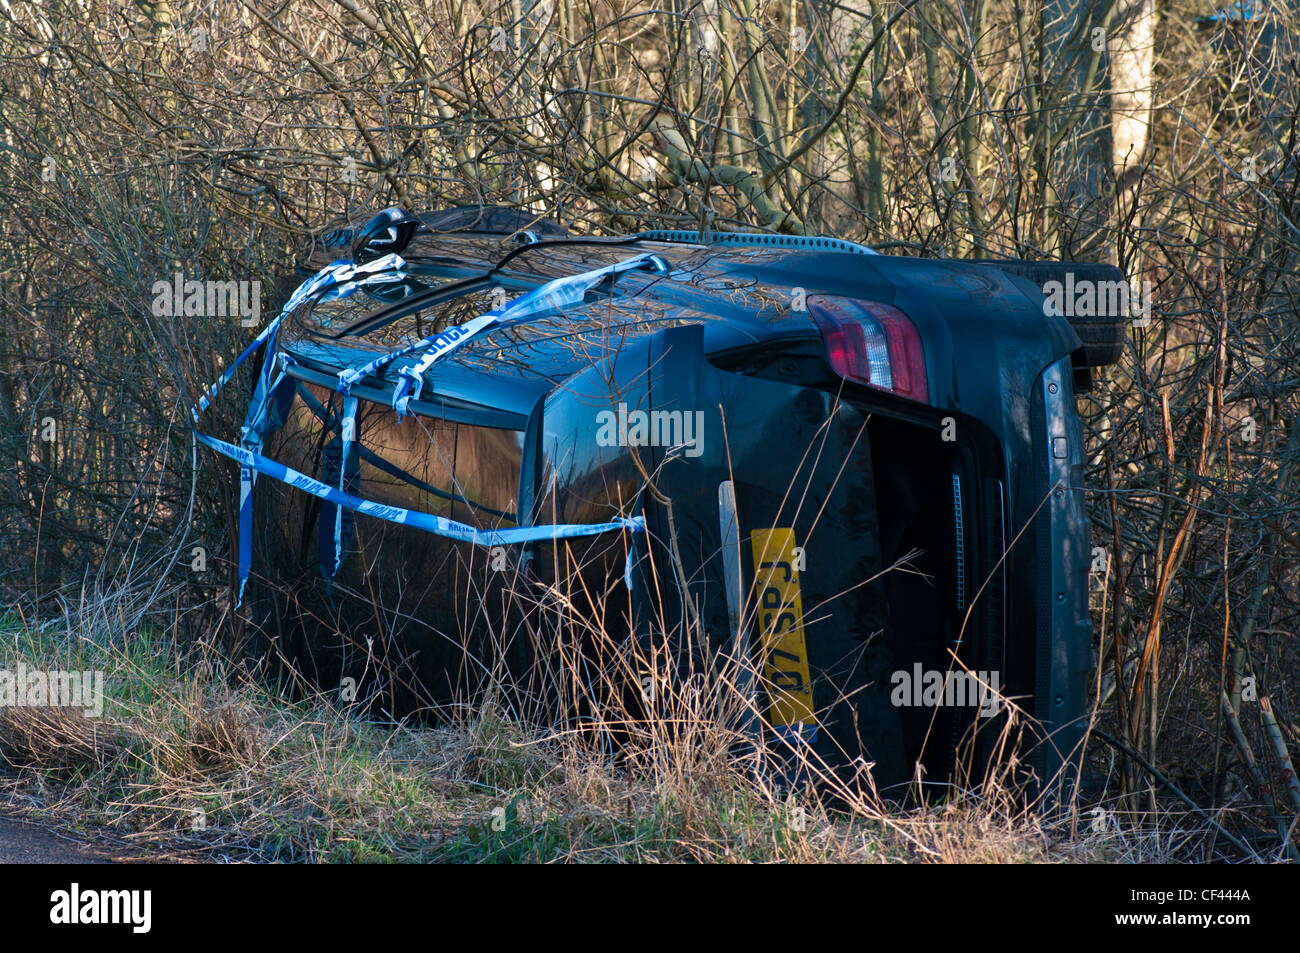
<point>743,294</point>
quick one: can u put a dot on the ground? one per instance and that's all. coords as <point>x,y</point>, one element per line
<point>24,843</point>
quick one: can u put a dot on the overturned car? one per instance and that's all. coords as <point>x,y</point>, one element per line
<point>857,476</point>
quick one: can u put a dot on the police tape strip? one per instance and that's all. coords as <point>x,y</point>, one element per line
<point>340,279</point>
<point>328,278</point>
<point>556,294</point>
<point>439,525</point>
<point>559,293</point>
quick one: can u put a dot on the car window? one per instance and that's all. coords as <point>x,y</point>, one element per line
<point>461,471</point>
<point>470,473</point>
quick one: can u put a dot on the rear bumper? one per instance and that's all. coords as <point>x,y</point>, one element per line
<point>1063,644</point>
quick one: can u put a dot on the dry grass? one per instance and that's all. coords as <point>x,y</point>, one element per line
<point>214,765</point>
<point>58,739</point>
<point>198,755</point>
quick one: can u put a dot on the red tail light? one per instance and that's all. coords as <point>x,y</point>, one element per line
<point>872,343</point>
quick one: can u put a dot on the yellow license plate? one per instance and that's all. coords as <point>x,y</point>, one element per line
<point>780,620</point>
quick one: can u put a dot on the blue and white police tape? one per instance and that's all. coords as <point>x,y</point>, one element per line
<point>340,279</point>
<point>330,279</point>
<point>336,280</point>
<point>438,525</point>
<point>555,295</point>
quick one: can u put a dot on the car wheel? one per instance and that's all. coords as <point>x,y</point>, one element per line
<point>1103,334</point>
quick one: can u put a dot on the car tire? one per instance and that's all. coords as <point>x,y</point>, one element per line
<point>1103,335</point>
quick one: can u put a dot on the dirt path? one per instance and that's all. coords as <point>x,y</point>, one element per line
<point>22,842</point>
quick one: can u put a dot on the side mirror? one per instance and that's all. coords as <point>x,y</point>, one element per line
<point>389,232</point>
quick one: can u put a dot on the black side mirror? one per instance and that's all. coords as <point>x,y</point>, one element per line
<point>389,232</point>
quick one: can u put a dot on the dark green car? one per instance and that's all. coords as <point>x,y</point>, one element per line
<point>855,479</point>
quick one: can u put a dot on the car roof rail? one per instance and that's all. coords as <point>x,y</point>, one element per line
<point>760,239</point>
